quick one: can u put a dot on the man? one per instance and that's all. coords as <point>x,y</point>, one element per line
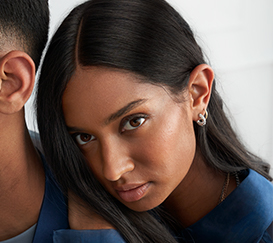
<point>31,204</point>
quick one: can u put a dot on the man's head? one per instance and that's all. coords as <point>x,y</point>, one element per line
<point>23,35</point>
<point>24,26</point>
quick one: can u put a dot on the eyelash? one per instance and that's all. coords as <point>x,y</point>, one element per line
<point>131,118</point>
<point>134,117</point>
<point>77,139</point>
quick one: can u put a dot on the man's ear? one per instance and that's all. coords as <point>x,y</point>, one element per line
<point>199,86</point>
<point>17,78</point>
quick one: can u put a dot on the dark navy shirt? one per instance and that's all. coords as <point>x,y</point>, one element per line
<point>53,214</point>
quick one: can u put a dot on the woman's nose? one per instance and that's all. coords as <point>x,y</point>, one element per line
<point>116,161</point>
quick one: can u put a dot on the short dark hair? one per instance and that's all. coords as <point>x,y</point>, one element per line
<point>26,23</point>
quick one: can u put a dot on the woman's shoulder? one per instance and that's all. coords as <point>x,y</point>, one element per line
<point>245,214</point>
<point>252,202</point>
<point>259,187</point>
<point>255,194</point>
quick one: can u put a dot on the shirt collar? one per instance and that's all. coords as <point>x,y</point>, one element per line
<point>245,214</point>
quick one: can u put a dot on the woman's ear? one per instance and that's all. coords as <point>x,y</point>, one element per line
<point>17,78</point>
<point>199,86</point>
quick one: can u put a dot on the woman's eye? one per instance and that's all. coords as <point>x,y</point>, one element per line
<point>133,123</point>
<point>83,138</point>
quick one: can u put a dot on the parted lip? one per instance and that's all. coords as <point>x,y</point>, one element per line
<point>132,192</point>
<point>129,187</point>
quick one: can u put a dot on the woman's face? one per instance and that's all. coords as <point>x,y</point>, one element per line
<point>138,141</point>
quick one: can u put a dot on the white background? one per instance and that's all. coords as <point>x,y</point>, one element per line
<point>237,36</point>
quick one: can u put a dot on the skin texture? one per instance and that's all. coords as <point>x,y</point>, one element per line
<point>22,177</point>
<point>153,152</point>
<point>139,140</point>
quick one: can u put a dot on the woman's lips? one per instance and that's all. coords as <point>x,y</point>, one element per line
<point>133,193</point>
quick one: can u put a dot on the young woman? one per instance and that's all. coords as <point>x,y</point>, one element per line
<point>132,124</point>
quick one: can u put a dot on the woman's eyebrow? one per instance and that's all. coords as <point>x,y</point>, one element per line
<point>130,106</point>
<point>74,129</point>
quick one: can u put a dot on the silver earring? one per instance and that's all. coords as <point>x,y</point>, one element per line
<point>203,119</point>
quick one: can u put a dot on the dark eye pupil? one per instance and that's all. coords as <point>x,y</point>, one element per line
<point>85,137</point>
<point>135,122</point>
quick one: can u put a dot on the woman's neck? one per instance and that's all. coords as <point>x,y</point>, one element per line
<point>198,193</point>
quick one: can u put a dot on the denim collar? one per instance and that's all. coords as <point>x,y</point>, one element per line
<point>242,217</point>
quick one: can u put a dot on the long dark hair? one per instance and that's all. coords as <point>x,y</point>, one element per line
<point>150,39</point>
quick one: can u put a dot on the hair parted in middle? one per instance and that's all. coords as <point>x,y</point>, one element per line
<point>151,40</point>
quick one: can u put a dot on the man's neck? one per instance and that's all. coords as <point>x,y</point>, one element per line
<point>22,179</point>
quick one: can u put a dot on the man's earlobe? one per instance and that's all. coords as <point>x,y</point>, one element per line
<point>17,78</point>
<point>199,86</point>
